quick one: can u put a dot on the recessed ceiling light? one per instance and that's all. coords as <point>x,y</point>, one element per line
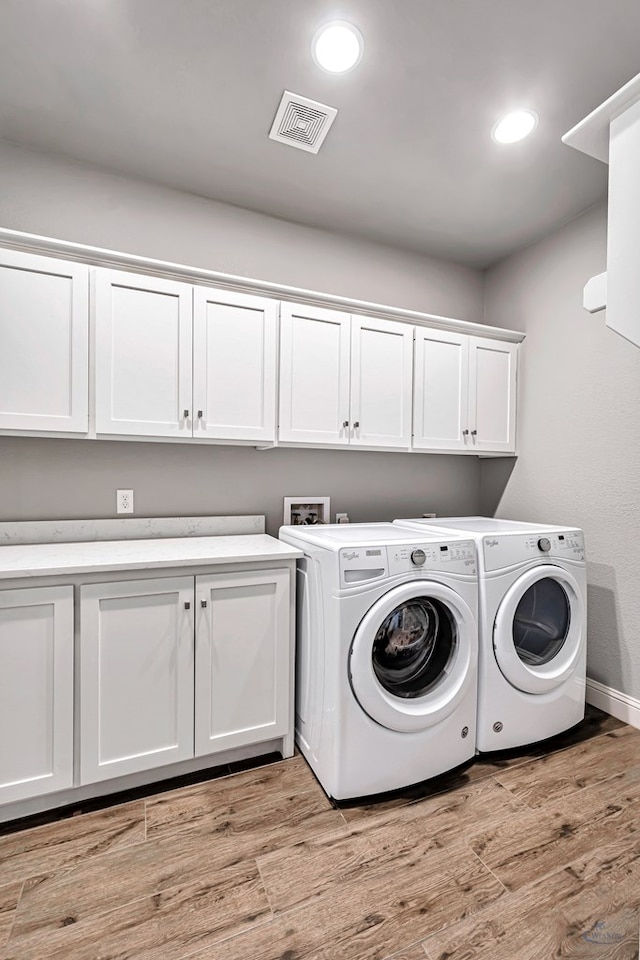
<point>515,126</point>
<point>337,46</point>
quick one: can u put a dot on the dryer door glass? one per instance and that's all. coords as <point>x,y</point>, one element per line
<point>541,622</point>
<point>413,646</point>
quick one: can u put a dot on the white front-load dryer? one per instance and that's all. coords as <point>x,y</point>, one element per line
<point>386,659</point>
<point>533,627</point>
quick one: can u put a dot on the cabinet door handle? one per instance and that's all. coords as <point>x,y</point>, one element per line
<point>345,424</point>
<point>185,414</point>
<point>187,605</point>
<point>356,424</point>
<point>474,433</point>
<point>199,414</point>
<point>465,433</point>
<point>203,603</point>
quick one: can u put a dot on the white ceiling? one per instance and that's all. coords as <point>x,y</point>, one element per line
<point>183,93</point>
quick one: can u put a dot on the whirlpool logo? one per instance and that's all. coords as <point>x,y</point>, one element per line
<point>491,543</point>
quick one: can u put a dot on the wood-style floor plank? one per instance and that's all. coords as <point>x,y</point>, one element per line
<point>111,881</point>
<point>543,840</point>
<point>165,926</point>
<point>207,805</point>
<point>70,841</point>
<point>9,897</point>
<point>555,916</point>
<point>293,874</point>
<point>582,765</point>
<point>372,920</point>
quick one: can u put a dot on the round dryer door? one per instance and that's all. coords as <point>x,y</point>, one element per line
<point>413,656</point>
<point>539,628</point>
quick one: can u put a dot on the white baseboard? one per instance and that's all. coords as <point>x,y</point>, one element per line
<point>617,704</point>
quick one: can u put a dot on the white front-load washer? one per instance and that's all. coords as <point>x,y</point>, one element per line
<point>386,662</point>
<point>532,617</point>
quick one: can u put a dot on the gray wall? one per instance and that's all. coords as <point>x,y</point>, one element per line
<point>48,478</point>
<point>579,457</point>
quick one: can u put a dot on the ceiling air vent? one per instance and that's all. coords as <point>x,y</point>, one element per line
<point>302,123</point>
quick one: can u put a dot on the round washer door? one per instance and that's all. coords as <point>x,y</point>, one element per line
<point>413,656</point>
<point>538,630</point>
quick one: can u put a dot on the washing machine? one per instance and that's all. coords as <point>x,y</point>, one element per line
<point>532,616</point>
<point>386,661</point>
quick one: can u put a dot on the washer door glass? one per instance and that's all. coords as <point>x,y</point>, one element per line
<point>541,622</point>
<point>413,658</point>
<point>413,646</point>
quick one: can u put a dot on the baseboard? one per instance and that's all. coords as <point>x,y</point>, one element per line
<point>617,704</point>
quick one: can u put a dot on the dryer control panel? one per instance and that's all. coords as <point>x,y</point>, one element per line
<point>508,549</point>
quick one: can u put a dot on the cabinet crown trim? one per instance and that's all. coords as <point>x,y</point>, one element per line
<point>103,257</point>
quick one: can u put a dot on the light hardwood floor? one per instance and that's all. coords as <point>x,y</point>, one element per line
<point>535,854</point>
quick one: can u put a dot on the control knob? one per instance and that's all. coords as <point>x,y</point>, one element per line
<point>544,544</point>
<point>418,557</point>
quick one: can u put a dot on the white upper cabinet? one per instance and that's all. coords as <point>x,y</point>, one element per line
<point>381,361</point>
<point>344,380</point>
<point>44,343</point>
<point>440,390</point>
<point>143,355</point>
<point>492,395</point>
<point>464,393</point>
<point>36,692</point>
<point>234,366</point>
<point>314,375</point>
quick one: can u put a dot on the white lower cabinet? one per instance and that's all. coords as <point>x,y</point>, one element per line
<point>242,659</point>
<point>36,692</point>
<point>142,704</point>
<point>136,676</point>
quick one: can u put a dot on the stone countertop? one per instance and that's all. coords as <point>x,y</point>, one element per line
<point>53,559</point>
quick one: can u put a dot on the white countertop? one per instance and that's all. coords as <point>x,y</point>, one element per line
<point>52,559</point>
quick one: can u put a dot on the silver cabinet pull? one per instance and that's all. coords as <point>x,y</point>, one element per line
<point>199,414</point>
<point>345,424</point>
<point>465,433</point>
<point>187,605</point>
<point>185,414</point>
<point>356,424</point>
<point>474,433</point>
<point>203,603</point>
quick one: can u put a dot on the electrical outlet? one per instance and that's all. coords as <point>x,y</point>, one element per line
<point>124,501</point>
<point>342,518</point>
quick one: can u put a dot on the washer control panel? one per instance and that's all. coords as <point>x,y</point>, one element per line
<point>421,559</point>
<point>506,550</point>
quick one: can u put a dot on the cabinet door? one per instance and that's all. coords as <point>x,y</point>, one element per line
<point>136,676</point>
<point>492,395</point>
<point>440,391</point>
<point>243,659</point>
<point>381,361</point>
<point>314,375</point>
<point>143,355</point>
<point>36,692</point>
<point>44,343</point>
<point>234,365</point>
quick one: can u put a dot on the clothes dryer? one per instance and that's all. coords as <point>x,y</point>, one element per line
<point>533,627</point>
<point>386,662</point>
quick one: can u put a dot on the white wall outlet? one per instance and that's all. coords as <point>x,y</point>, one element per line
<point>342,518</point>
<point>124,501</point>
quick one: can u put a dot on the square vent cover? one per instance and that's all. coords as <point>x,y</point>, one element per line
<point>301,122</point>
